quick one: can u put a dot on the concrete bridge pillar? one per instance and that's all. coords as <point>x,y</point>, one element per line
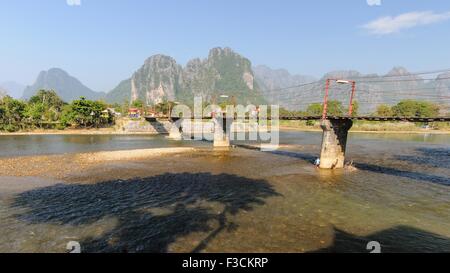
<point>335,133</point>
<point>222,131</point>
<point>176,130</point>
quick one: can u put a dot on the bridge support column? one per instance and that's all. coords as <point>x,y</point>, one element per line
<point>222,130</point>
<point>334,143</point>
<point>176,130</point>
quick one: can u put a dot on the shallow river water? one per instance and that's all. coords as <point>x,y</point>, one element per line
<point>233,201</point>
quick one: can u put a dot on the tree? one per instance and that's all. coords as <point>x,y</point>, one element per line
<point>315,109</point>
<point>334,108</point>
<point>286,113</point>
<point>12,114</point>
<point>35,113</point>
<point>67,116</point>
<point>48,98</point>
<point>165,106</point>
<point>44,107</point>
<point>117,107</point>
<point>125,107</point>
<point>412,108</point>
<point>384,110</point>
<point>138,104</point>
<point>2,113</point>
<point>85,113</point>
<point>427,109</point>
<point>47,109</point>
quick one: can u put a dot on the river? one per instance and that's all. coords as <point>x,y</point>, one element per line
<point>231,201</point>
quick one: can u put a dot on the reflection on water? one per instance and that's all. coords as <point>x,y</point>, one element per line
<point>245,201</point>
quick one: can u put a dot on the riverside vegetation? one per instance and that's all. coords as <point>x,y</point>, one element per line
<point>405,108</point>
<point>46,110</point>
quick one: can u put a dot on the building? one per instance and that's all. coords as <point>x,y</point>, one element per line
<point>105,114</point>
<point>134,113</point>
<point>113,112</point>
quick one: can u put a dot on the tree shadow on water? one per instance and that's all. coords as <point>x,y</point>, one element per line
<point>180,197</point>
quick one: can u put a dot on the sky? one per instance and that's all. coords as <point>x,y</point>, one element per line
<point>102,42</point>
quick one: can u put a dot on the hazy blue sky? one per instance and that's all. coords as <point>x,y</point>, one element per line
<point>102,42</point>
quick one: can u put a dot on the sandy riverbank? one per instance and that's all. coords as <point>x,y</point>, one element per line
<point>61,166</point>
<point>103,131</point>
<point>130,154</point>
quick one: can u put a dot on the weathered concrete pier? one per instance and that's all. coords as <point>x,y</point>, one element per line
<point>176,130</point>
<point>334,140</point>
<point>222,131</point>
<point>334,143</point>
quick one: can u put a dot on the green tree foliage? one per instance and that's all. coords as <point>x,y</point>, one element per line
<point>124,107</point>
<point>413,108</point>
<point>67,117</point>
<point>335,108</point>
<point>44,108</point>
<point>384,110</point>
<point>36,113</point>
<point>315,109</point>
<point>12,113</point>
<point>409,108</point>
<point>138,104</point>
<point>117,107</point>
<point>47,110</point>
<point>49,98</point>
<point>286,113</point>
<point>164,107</point>
<point>85,113</point>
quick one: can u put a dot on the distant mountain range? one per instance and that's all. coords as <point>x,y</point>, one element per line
<point>372,90</point>
<point>225,72</point>
<point>12,89</point>
<point>3,93</point>
<point>66,86</point>
<point>270,79</point>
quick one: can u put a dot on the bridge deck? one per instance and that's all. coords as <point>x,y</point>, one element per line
<point>366,118</point>
<point>371,118</point>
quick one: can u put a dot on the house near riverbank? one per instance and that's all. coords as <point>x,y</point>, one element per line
<point>134,113</point>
